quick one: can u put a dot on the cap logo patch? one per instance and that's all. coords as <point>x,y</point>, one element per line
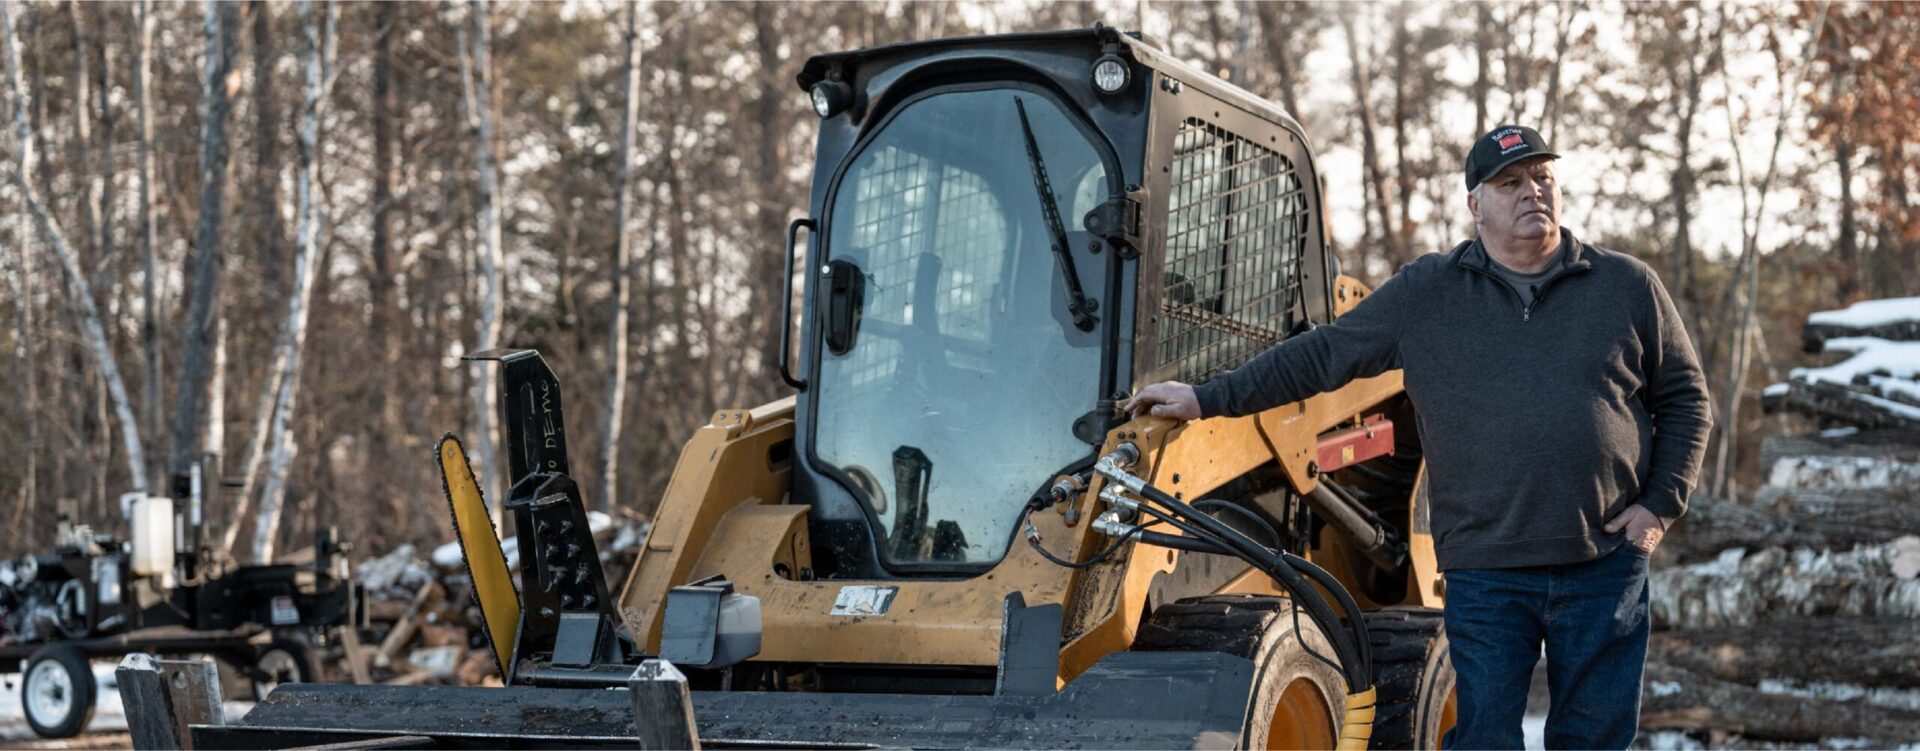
<point>1511,140</point>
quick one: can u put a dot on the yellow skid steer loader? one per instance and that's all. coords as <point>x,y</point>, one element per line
<point>946,536</point>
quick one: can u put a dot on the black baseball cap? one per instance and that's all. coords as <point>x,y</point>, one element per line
<point>1500,147</point>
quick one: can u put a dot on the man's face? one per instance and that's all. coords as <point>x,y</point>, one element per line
<point>1520,203</point>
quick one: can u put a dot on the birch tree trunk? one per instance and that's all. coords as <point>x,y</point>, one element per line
<point>196,370</point>
<point>92,330</point>
<point>143,212</point>
<point>476,74</point>
<point>622,272</point>
<point>1742,355</point>
<point>293,334</point>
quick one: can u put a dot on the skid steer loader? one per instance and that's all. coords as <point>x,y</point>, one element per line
<point>946,536</point>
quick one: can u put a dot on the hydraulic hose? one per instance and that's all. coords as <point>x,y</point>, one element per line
<point>1350,643</point>
<point>1212,535</point>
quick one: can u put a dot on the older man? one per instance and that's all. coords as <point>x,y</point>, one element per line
<point>1564,416</point>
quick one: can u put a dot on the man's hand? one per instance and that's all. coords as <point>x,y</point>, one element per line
<point>1164,399</point>
<point>1643,528</point>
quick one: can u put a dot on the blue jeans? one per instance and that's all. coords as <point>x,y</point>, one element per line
<point>1592,618</point>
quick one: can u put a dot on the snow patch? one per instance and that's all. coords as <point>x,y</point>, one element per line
<point>1871,313</point>
<point>1889,365</point>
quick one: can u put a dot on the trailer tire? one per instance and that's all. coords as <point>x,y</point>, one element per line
<point>1296,698</point>
<point>57,691</point>
<point>284,660</point>
<point>1413,675</point>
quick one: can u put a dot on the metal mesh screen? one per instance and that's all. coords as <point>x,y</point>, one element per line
<point>919,224</point>
<point>1236,234</point>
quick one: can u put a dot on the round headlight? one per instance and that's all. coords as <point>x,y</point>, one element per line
<point>821,105</point>
<point>1109,74</point>
<point>831,98</point>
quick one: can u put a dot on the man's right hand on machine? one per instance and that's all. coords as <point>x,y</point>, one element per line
<point>1171,399</point>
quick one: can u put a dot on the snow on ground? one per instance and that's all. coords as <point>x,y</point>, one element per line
<point>1871,313</point>
<point>107,730</point>
<point>1898,362</point>
<point>108,715</point>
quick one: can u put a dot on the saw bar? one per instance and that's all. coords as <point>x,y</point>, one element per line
<point>480,548</point>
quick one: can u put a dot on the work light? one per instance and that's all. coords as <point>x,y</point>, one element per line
<point>1109,74</point>
<point>830,97</point>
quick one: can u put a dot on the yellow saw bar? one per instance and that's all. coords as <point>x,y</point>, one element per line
<point>480,548</point>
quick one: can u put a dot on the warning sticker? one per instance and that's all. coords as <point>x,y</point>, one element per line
<point>863,599</point>
<point>284,613</point>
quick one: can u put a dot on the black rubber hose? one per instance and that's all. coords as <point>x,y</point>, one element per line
<point>1178,542</point>
<point>1348,642</point>
<point>1203,541</point>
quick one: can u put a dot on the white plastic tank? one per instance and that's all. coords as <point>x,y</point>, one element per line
<point>152,537</point>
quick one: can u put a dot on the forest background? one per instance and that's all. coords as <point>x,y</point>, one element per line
<point>270,230</point>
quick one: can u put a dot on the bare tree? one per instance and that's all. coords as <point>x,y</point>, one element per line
<point>202,334</point>
<point>621,269</point>
<point>476,79</point>
<point>149,306</point>
<point>1382,202</point>
<point>293,334</point>
<point>92,330</point>
<point>1750,224</point>
<point>103,83</point>
<point>265,146</point>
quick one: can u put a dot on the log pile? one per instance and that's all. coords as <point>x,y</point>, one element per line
<point>1793,620</point>
<point>1876,385</point>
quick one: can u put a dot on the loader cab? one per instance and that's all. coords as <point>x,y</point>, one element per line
<point>1008,234</point>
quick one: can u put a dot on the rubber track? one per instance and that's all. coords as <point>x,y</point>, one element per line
<point>1400,638</point>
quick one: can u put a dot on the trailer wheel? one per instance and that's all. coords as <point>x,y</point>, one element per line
<point>1293,703</point>
<point>283,661</point>
<point>57,691</point>
<point>1414,676</point>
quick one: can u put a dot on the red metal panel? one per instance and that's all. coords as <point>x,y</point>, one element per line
<point>1349,446</point>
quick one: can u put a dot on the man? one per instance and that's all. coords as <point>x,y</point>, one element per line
<point>1564,417</point>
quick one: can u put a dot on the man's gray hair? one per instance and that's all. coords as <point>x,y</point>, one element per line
<point>1475,192</point>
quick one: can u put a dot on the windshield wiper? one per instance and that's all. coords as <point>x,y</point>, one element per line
<point>1077,302</point>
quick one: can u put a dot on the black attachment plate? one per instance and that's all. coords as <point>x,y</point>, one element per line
<point>1029,648</point>
<point>1127,700</point>
<point>530,407</point>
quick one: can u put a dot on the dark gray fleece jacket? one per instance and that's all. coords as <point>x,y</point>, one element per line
<point>1539,422</point>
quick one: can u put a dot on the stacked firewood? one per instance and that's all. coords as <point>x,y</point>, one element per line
<point>1876,384</point>
<point>1793,618</point>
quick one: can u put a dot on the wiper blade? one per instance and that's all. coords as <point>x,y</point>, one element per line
<point>1077,302</point>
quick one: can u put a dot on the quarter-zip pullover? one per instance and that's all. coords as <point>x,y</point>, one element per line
<point>1540,419</point>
